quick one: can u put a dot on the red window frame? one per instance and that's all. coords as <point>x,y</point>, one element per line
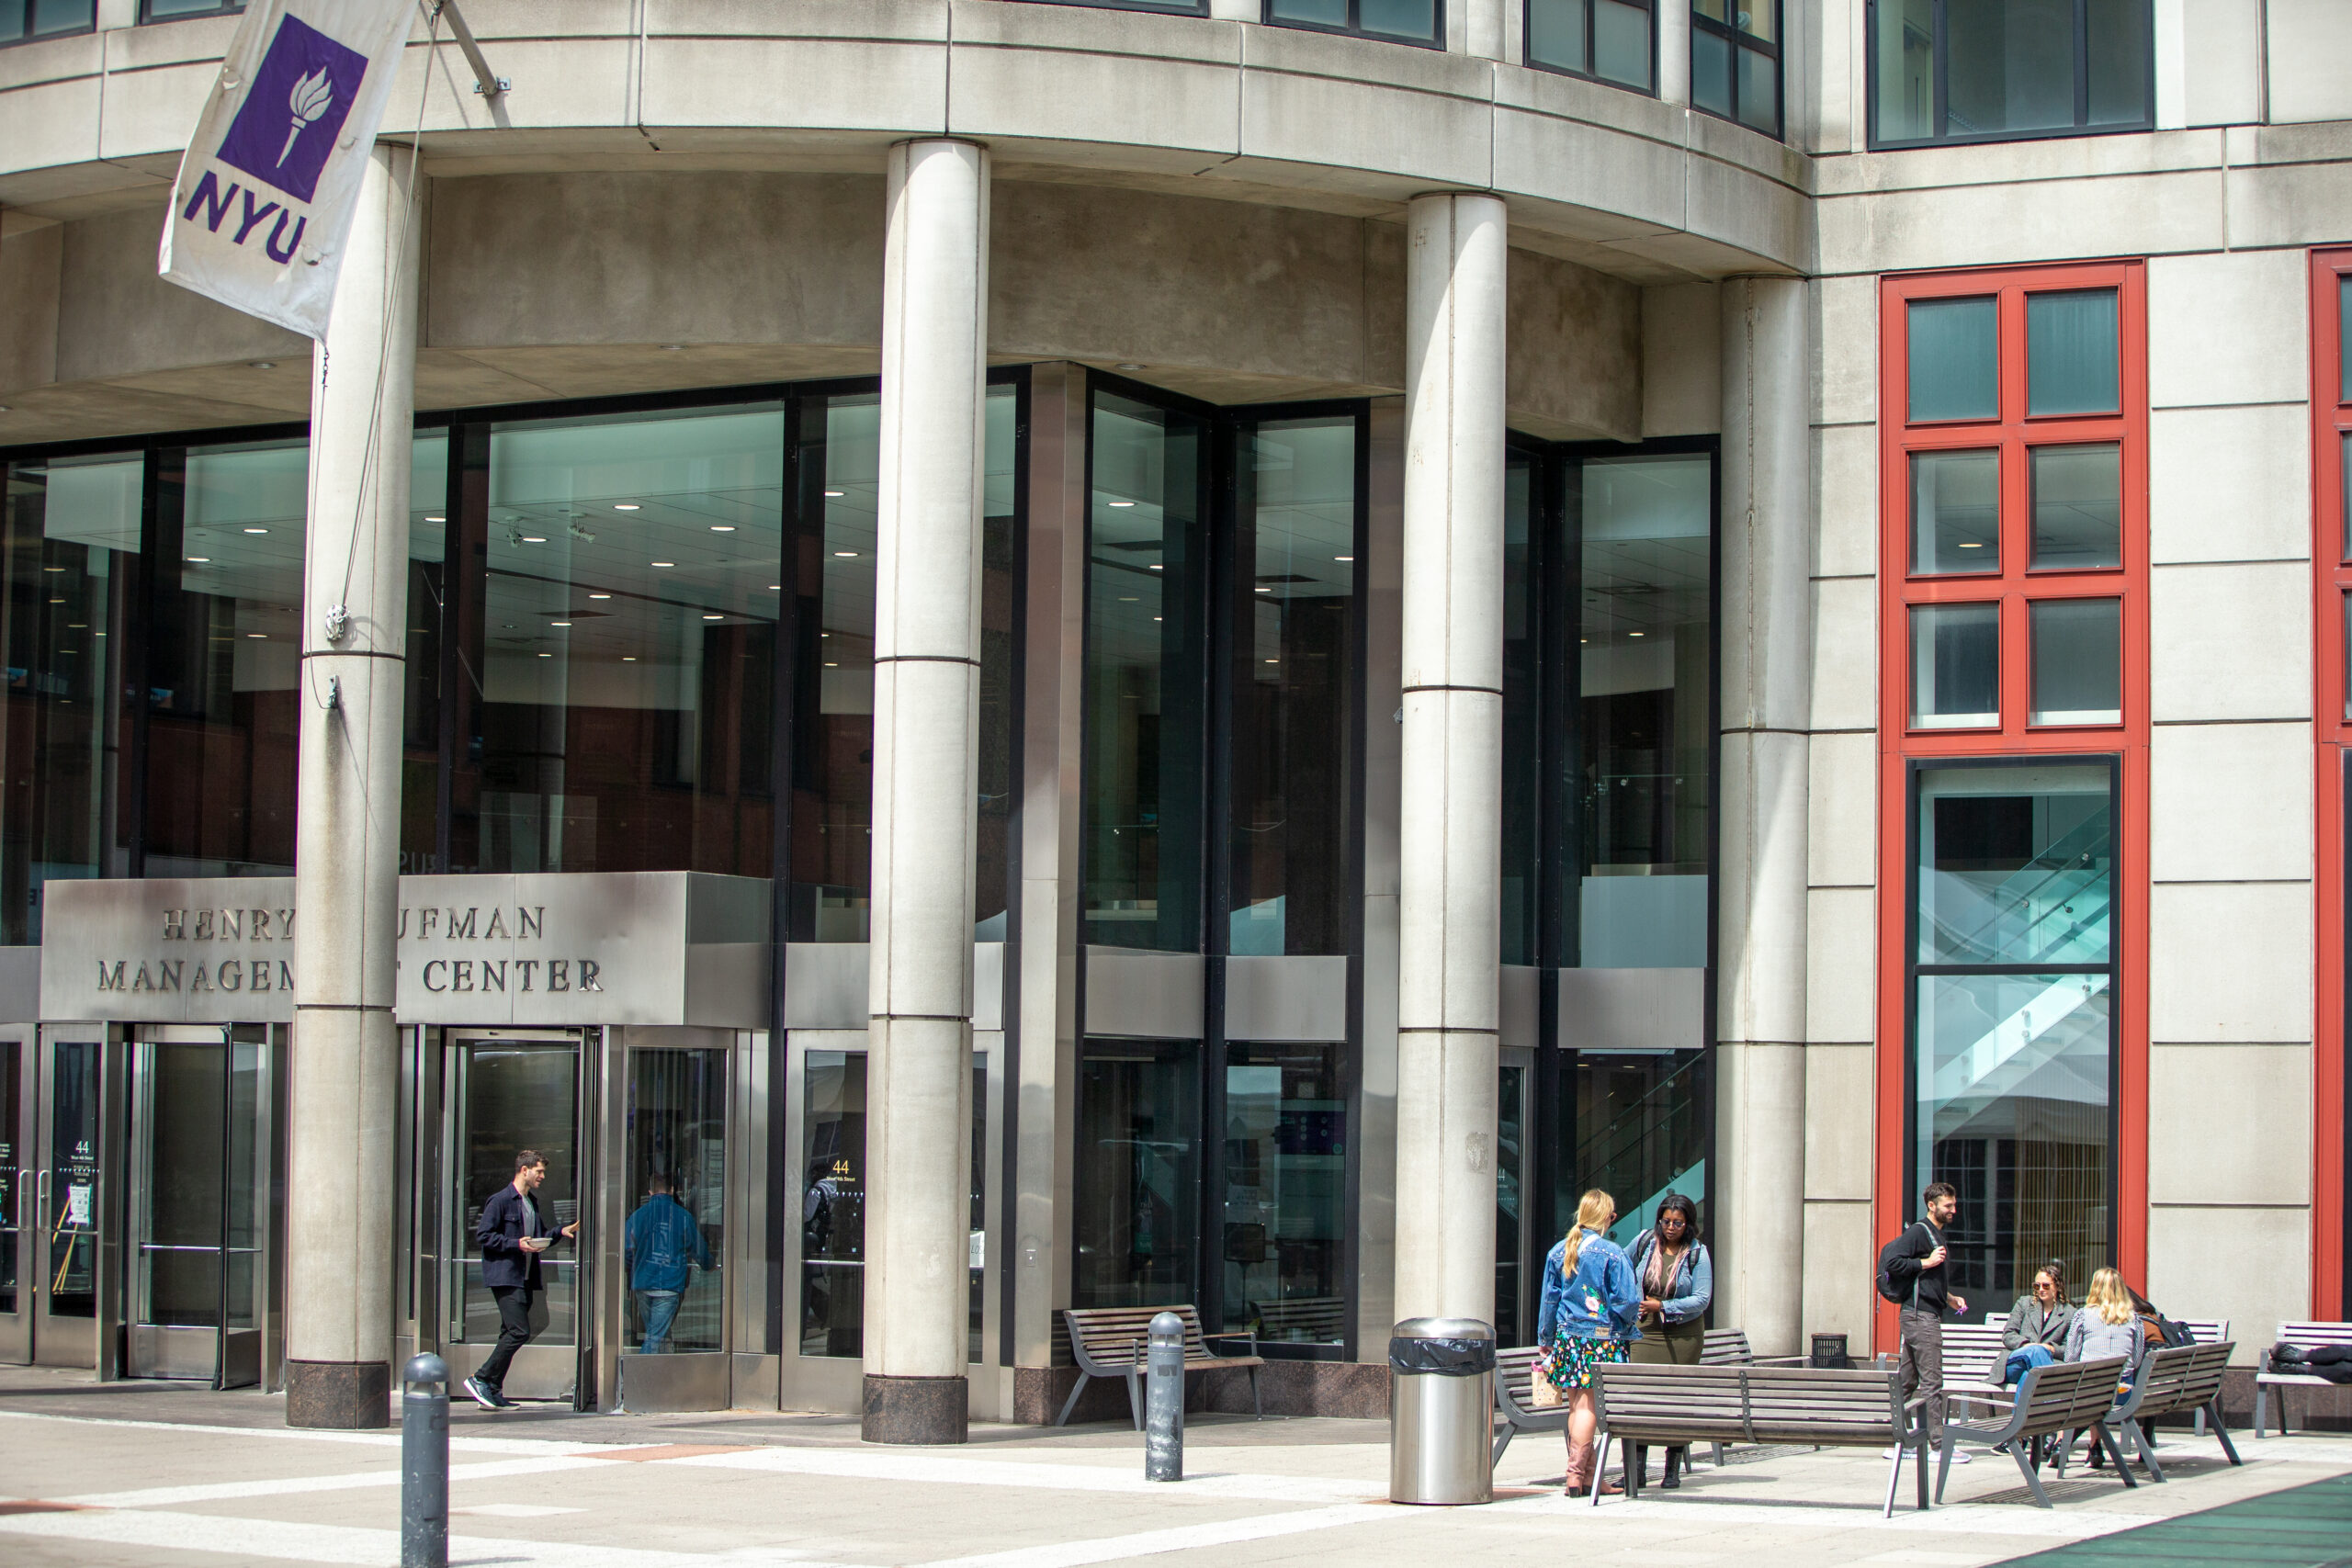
<point>2015,586</point>
<point>2331,581</point>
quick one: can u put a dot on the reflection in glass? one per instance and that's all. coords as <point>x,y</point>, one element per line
<point>1000,495</point>
<point>1621,43</point>
<point>1556,31</point>
<point>1906,42</point>
<point>2014,1083</point>
<point>1646,673</point>
<point>1285,1192</point>
<point>1399,19</point>
<point>1138,1178</point>
<point>2070,346</point>
<point>978,1237</point>
<point>624,716</point>
<point>510,1098</point>
<point>13,1178</point>
<point>45,19</point>
<point>1146,657</point>
<point>832,1204</point>
<point>832,755</point>
<point>1511,1205</point>
<point>1711,67</point>
<point>1314,13</point>
<point>2077,507</point>
<point>1522,723</point>
<point>178,1236</point>
<point>2117,32</point>
<point>2017,866</point>
<point>428,502</point>
<point>224,662</point>
<point>2011,66</point>
<point>1760,92</point>
<point>676,1175</point>
<point>1954,359</point>
<point>72,1212</point>
<point>1638,1125</point>
<point>2077,660</point>
<point>1955,511</point>
<point>1955,666</point>
<point>69,551</point>
<point>1293,687</point>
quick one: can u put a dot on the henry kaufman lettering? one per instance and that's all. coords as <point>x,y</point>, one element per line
<point>426,922</point>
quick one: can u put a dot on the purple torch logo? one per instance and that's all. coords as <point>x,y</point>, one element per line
<point>311,96</point>
<point>300,95</point>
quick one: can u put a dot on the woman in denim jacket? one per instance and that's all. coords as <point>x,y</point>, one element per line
<point>1678,1280</point>
<point>1586,1317</point>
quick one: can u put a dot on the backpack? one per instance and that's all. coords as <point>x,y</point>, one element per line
<point>1887,1288</point>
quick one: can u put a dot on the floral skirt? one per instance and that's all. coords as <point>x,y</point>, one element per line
<point>1574,1357</point>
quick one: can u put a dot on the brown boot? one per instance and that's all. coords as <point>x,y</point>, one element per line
<point>1584,1465</point>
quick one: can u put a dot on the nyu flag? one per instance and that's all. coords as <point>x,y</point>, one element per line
<point>264,201</point>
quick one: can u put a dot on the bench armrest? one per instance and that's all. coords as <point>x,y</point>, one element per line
<point>1780,1361</point>
<point>1246,1335</point>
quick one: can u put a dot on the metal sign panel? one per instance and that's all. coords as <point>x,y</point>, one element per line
<point>543,948</point>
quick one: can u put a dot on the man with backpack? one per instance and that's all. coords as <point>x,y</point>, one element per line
<point>1911,1275</point>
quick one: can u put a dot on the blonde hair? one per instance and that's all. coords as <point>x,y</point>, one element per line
<point>2108,1297</point>
<point>1592,1213</point>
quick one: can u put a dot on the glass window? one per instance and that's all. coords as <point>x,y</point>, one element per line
<point>1955,511</point>
<point>1286,1193</point>
<point>2071,356</point>
<point>1293,687</point>
<point>69,557</point>
<point>1710,70</point>
<point>76,1221</point>
<point>1986,70</point>
<point>676,1234</point>
<point>832,1204</point>
<point>832,754</point>
<point>170,10</point>
<point>1954,358</point>
<point>224,662</point>
<point>977,1238</point>
<point>1137,1175</point>
<point>999,632</point>
<point>2013,1071</point>
<point>1955,666</point>
<point>624,716</point>
<point>1512,1229</point>
<point>1638,1122</point>
<point>1608,39</point>
<point>2077,660</point>
<point>2077,507</point>
<point>1411,21</point>
<point>1736,61</point>
<point>428,499</point>
<point>1523,721</point>
<point>1646,671</point>
<point>21,19</point>
<point>13,1185</point>
<point>511,1097</point>
<point>1146,676</point>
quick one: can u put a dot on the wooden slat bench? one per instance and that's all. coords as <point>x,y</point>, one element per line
<point>1513,1373</point>
<point>2268,1376</point>
<point>2173,1379</point>
<point>1111,1342</point>
<point>1306,1320</point>
<point>1861,1408</point>
<point>2070,1396</point>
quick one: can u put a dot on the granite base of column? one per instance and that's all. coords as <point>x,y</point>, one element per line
<point>341,1395</point>
<point>916,1410</point>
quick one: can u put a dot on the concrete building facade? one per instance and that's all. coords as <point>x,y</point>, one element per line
<point>1104,655</point>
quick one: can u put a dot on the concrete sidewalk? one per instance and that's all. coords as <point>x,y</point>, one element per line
<point>158,1474</point>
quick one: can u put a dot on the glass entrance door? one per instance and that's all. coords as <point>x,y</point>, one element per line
<point>673,1180</point>
<point>199,1204</point>
<point>16,1186</point>
<point>69,1213</point>
<point>502,1097</point>
<point>1516,1258</point>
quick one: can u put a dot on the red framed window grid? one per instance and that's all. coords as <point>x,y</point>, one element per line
<point>2014,587</point>
<point>2331,583</point>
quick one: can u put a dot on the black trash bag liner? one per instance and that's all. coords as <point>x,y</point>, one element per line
<point>1445,1358</point>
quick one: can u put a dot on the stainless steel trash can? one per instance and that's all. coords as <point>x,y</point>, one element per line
<point>1440,1410</point>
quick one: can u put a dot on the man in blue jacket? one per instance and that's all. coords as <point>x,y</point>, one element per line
<point>511,1233</point>
<point>664,1246</point>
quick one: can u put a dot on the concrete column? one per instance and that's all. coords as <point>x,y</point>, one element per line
<point>1449,875</point>
<point>926,772</point>
<point>346,859</point>
<point>1767,708</point>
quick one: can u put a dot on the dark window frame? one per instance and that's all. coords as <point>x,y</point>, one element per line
<point>1355,29</point>
<point>26,8</point>
<point>1526,30</point>
<point>148,19</point>
<point>1736,40</point>
<point>1163,7</point>
<point>1942,56</point>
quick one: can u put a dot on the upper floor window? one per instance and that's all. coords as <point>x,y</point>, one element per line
<point>24,19</point>
<point>174,10</point>
<point>2000,70</point>
<point>1401,21</point>
<point>1608,40</point>
<point>1736,61</point>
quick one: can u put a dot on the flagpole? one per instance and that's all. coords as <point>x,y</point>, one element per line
<point>486,84</point>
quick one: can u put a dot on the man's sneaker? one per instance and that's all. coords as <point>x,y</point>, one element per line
<point>484,1395</point>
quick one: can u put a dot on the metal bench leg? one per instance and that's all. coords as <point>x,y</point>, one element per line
<point>1943,1467</point>
<point>2106,1439</point>
<point>1135,1398</point>
<point>1600,1458</point>
<point>1072,1403</point>
<point>2017,1452</point>
<point>2221,1429</point>
<point>1501,1444</point>
<point>1257,1410</point>
<point>2138,1437</point>
<point>1919,1474</point>
<point>2261,1399</point>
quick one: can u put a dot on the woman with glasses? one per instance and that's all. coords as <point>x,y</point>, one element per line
<point>1677,1282</point>
<point>2038,1326</point>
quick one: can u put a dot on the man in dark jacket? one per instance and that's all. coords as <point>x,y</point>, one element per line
<point>511,1233</point>
<point>1916,1265</point>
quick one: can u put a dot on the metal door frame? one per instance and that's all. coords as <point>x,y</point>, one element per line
<point>95,1342</point>
<point>1531,1262</point>
<point>440,1050</point>
<point>174,1352</point>
<point>17,1325</point>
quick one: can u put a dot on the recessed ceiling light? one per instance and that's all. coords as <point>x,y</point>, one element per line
<point>623,506</point>
<point>1127,598</point>
<point>259,637</point>
<point>262,364</point>
<point>1343,558</point>
<point>535,538</point>
<point>711,618</point>
<point>1633,634</point>
<point>192,560</point>
<point>663,563</point>
<point>628,658</point>
<point>57,601</point>
<point>1156,617</point>
<point>1266,590</point>
<point>775,587</point>
<point>256,530</point>
<point>52,568</point>
<point>600,597</point>
<point>1123,503</point>
<point>1274,662</point>
<point>835,494</point>
<point>1156,567</point>
<point>558,623</point>
<point>437,520</point>
<point>833,664</point>
<point>847,555</point>
<point>1972,544</point>
<point>722,527</point>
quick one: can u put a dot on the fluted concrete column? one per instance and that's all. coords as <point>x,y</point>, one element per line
<point>926,762</point>
<point>346,859</point>
<point>1767,709</point>
<point>1449,877</point>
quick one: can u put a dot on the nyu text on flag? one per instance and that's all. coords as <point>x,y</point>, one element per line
<point>263,200</point>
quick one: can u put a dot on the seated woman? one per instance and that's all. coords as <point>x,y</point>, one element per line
<point>2108,1325</point>
<point>2039,1323</point>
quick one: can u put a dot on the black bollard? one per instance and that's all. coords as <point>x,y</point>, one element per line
<point>424,1465</point>
<point>1163,1403</point>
